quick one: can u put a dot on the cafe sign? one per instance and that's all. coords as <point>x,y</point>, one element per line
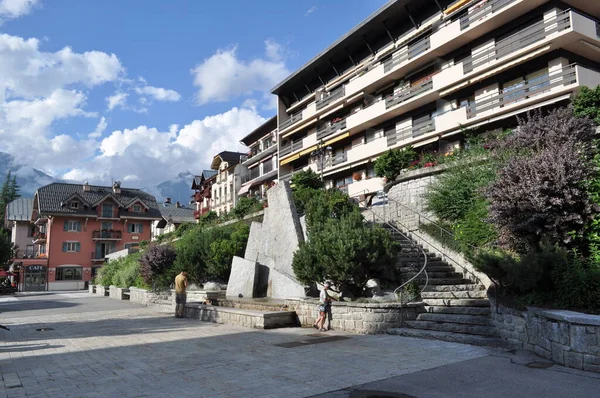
<point>35,268</point>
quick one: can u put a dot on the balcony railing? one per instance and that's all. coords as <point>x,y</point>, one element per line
<point>331,96</point>
<point>329,129</point>
<point>267,167</point>
<point>289,148</point>
<point>96,256</point>
<point>406,94</point>
<point>296,117</point>
<point>414,131</point>
<point>531,34</point>
<point>482,10</point>
<point>251,175</point>
<point>511,95</point>
<point>410,52</point>
<point>201,212</point>
<point>39,237</point>
<point>107,235</point>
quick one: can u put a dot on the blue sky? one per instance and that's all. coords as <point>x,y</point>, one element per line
<point>140,90</point>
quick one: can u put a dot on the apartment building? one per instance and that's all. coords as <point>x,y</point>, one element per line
<point>77,225</point>
<point>17,219</point>
<point>418,72</point>
<point>202,187</point>
<point>172,216</point>
<point>228,180</point>
<point>261,160</point>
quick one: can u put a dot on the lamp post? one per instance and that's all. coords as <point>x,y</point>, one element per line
<point>320,155</point>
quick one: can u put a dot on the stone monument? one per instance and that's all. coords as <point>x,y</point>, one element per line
<point>266,269</point>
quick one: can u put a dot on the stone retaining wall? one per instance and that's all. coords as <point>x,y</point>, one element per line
<point>357,317</point>
<point>236,316</point>
<point>568,338</point>
<point>118,293</point>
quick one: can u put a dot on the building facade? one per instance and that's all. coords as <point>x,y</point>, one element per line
<point>418,72</point>
<point>17,219</point>
<point>172,216</point>
<point>202,185</point>
<point>77,225</point>
<point>228,181</point>
<point>261,160</point>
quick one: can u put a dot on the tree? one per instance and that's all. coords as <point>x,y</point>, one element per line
<point>6,248</point>
<point>8,193</point>
<point>587,104</point>
<point>391,163</point>
<point>246,206</point>
<point>306,179</point>
<point>155,262</point>
<point>223,250</point>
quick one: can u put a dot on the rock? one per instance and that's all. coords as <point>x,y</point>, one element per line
<point>373,288</point>
<point>243,279</point>
<point>211,286</point>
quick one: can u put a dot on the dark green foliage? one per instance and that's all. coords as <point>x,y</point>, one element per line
<point>442,233</point>
<point>587,104</point>
<point>209,218</point>
<point>6,248</point>
<point>578,286</point>
<point>184,227</point>
<point>207,253</point>
<point>123,272</point>
<point>155,263</point>
<point>391,163</point>
<point>246,206</point>
<point>306,179</point>
<point>8,193</point>
<point>345,251</point>
<point>326,204</point>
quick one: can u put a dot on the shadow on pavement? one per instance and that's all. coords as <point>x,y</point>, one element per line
<point>32,305</point>
<point>28,347</point>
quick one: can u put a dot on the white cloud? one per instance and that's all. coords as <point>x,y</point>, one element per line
<point>117,100</point>
<point>150,155</point>
<point>15,8</point>
<point>310,11</point>
<point>100,128</point>
<point>224,77</point>
<point>159,94</point>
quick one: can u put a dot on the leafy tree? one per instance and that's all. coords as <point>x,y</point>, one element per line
<point>223,250</point>
<point>8,193</point>
<point>246,206</point>
<point>391,163</point>
<point>155,261</point>
<point>6,248</point>
<point>306,179</point>
<point>587,104</point>
<point>324,205</point>
<point>345,251</point>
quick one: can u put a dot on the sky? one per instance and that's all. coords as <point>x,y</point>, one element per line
<point>141,90</point>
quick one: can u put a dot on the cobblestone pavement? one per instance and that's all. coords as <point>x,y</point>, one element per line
<point>97,347</point>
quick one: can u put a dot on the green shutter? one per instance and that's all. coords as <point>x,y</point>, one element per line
<point>64,246</point>
<point>66,226</point>
<point>141,228</point>
<point>78,226</point>
<point>78,247</point>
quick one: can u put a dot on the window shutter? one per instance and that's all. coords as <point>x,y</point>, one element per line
<point>78,247</point>
<point>64,246</point>
<point>129,228</point>
<point>141,228</point>
<point>66,226</point>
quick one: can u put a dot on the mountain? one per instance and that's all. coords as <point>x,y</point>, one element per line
<point>178,189</point>
<point>29,179</point>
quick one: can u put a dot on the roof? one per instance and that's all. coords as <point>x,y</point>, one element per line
<point>260,131</point>
<point>177,214</point>
<point>368,37</point>
<point>206,175</point>
<point>226,156</point>
<point>52,199</point>
<point>19,209</point>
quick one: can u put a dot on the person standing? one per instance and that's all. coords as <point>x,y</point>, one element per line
<point>324,307</point>
<point>181,283</point>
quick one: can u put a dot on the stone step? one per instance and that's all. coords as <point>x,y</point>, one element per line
<point>456,318</point>
<point>472,339</point>
<point>454,288</point>
<point>457,302</point>
<point>434,268</point>
<point>452,327</point>
<point>434,275</point>
<point>431,262</point>
<point>435,309</point>
<point>469,294</point>
<point>444,281</point>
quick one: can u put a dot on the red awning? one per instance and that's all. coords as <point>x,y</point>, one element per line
<point>5,273</point>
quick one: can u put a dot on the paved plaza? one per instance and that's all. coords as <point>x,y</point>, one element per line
<point>76,345</point>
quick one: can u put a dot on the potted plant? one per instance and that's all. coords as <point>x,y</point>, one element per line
<point>357,176</point>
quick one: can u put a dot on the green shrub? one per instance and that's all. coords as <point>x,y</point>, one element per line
<point>246,206</point>
<point>587,103</point>
<point>578,286</point>
<point>326,204</point>
<point>223,250</point>
<point>391,163</point>
<point>128,271</point>
<point>306,179</point>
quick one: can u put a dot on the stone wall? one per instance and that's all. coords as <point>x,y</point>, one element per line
<point>568,338</point>
<point>357,317</point>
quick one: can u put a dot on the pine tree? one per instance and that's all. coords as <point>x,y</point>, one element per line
<point>8,193</point>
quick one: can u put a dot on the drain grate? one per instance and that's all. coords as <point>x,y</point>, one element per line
<point>44,329</point>
<point>540,365</point>
<point>293,344</point>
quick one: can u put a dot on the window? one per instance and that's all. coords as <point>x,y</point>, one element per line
<point>30,231</point>
<point>72,226</point>
<point>107,210</point>
<point>370,170</point>
<point>137,208</point>
<point>135,228</point>
<point>74,205</point>
<point>68,274</point>
<point>71,247</point>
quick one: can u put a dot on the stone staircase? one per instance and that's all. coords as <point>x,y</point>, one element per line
<point>456,309</point>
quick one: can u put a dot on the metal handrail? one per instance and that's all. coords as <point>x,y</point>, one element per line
<point>423,269</point>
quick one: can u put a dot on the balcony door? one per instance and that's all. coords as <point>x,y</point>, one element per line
<point>102,249</point>
<point>105,228</point>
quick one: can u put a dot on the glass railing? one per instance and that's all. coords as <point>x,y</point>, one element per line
<point>251,175</point>
<point>408,52</point>
<point>409,132</point>
<point>330,97</point>
<point>331,128</point>
<point>267,167</point>
<point>482,10</point>
<point>408,93</point>
<point>296,117</point>
<point>289,148</point>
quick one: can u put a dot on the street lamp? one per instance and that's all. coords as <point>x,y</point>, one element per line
<point>320,155</point>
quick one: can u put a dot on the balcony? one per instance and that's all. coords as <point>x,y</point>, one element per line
<point>201,212</point>
<point>524,38</point>
<point>408,93</point>
<point>267,167</point>
<point>289,148</point>
<point>41,220</point>
<point>483,10</point>
<point>98,257</point>
<point>339,159</point>
<point>407,53</point>
<point>396,136</point>
<point>251,175</point>
<point>329,129</point>
<point>296,117</point>
<point>106,235</point>
<point>259,155</point>
<point>330,97</point>
<point>39,237</point>
<point>512,95</point>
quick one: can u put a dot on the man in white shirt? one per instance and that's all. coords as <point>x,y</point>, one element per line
<point>324,304</point>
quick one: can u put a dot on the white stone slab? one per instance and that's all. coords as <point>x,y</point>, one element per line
<point>243,278</point>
